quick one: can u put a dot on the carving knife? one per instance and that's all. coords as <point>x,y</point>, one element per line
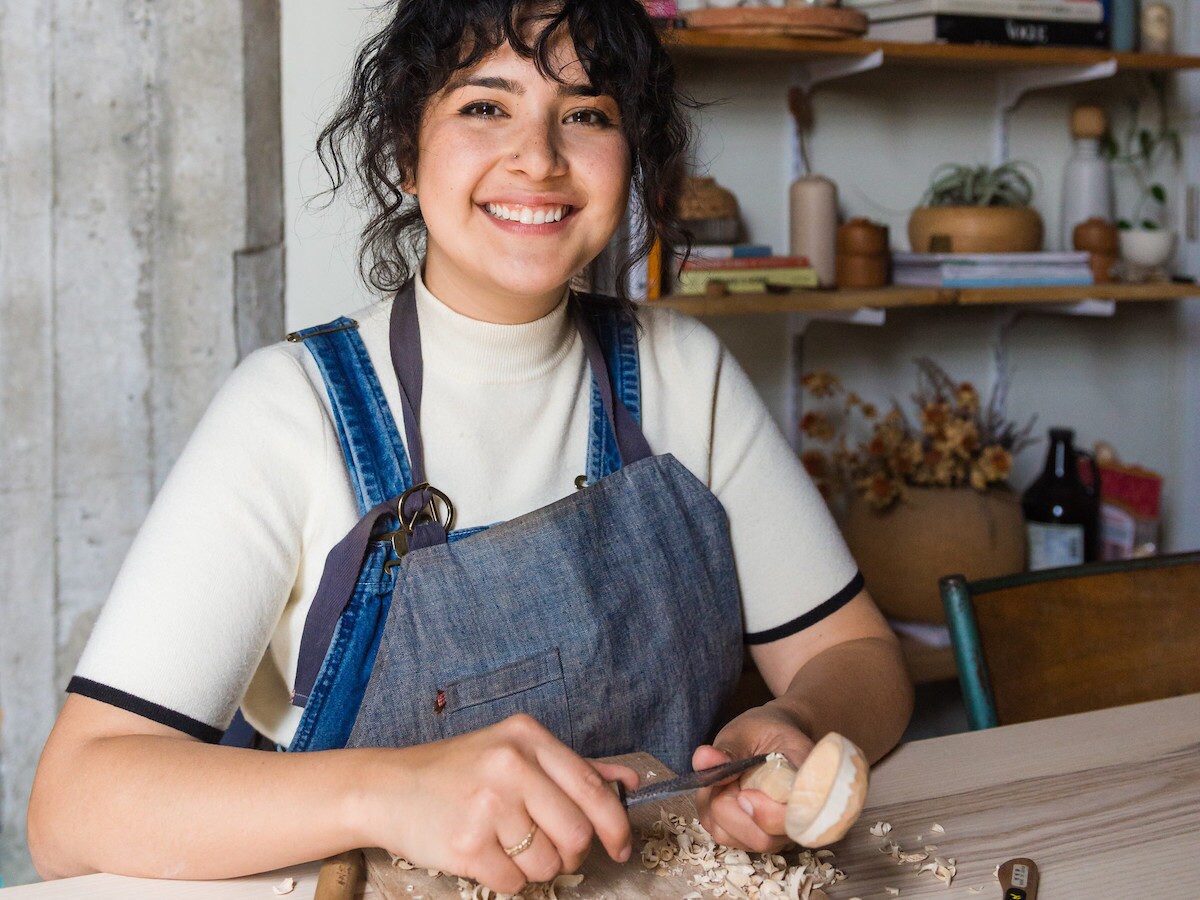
<point>685,784</point>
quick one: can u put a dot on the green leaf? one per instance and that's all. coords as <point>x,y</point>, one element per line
<point>1158,192</point>
<point>1149,226</point>
<point>1124,224</point>
<point>1146,142</point>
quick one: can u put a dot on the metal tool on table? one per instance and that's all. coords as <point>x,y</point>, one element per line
<point>1019,879</point>
<point>685,784</point>
<point>341,876</point>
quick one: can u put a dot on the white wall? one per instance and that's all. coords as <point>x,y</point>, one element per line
<point>878,135</point>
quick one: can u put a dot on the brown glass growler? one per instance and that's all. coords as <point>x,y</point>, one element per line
<point>1062,514</point>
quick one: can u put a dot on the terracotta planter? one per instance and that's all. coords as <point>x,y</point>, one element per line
<point>975,229</point>
<point>903,551</point>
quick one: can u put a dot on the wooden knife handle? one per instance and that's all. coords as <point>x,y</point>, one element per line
<point>340,876</point>
<point>1019,879</point>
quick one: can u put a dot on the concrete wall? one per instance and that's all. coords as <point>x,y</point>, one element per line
<point>140,256</point>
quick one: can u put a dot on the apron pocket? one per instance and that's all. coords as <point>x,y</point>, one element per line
<point>533,685</point>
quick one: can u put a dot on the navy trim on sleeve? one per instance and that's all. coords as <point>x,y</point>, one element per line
<point>144,708</point>
<point>812,617</point>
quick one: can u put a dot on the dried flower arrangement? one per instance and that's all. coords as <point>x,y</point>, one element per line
<point>955,441</point>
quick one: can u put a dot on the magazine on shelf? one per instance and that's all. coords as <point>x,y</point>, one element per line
<point>963,270</point>
<point>1049,10</point>
<point>955,29</point>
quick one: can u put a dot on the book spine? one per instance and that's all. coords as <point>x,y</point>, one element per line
<point>749,262</point>
<point>729,251</point>
<point>748,280</point>
<point>1022,32</point>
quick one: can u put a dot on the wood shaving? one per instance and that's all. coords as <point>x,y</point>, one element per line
<point>729,872</point>
<point>895,892</point>
<point>284,887</point>
<point>937,829</point>
<point>879,829</point>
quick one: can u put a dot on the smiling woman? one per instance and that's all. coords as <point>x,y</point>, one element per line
<point>450,551</point>
<point>431,51</point>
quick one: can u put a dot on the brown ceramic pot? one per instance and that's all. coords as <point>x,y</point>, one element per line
<point>932,532</point>
<point>975,229</point>
<point>1100,239</point>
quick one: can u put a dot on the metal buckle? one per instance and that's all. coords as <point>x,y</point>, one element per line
<point>433,510</point>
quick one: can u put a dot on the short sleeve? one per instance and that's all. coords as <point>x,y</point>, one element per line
<point>792,564</point>
<point>202,589</point>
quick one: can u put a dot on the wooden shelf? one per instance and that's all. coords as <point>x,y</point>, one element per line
<point>687,43</point>
<point>816,300</point>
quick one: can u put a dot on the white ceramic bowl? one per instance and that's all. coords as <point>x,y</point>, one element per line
<point>1146,248</point>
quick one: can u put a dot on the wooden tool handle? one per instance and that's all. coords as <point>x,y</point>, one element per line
<point>1019,879</point>
<point>340,876</point>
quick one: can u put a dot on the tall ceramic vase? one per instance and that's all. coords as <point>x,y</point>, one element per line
<point>904,550</point>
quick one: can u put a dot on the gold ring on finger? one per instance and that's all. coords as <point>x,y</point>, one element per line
<point>525,844</point>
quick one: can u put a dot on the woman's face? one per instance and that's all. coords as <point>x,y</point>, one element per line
<point>521,180</point>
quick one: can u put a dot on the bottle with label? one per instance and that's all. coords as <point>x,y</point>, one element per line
<point>1062,514</point>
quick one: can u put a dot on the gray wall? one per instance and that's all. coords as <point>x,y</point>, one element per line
<point>140,256</point>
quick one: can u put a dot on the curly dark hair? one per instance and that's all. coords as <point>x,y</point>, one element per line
<point>375,128</point>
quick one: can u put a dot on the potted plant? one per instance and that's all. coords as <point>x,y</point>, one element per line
<point>977,209</point>
<point>921,497</point>
<point>1146,244</point>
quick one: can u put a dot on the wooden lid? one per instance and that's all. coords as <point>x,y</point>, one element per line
<point>1088,121</point>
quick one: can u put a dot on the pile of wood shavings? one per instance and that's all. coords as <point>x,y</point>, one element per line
<point>673,842</point>
<point>923,860</point>
<point>473,890</point>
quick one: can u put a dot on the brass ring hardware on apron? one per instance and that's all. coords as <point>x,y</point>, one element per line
<point>435,507</point>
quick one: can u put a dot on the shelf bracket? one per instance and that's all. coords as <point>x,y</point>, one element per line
<point>1099,309</point>
<point>807,76</point>
<point>1012,86</point>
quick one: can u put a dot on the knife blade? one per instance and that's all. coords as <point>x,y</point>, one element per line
<point>685,784</point>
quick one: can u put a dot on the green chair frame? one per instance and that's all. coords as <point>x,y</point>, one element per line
<point>958,600</point>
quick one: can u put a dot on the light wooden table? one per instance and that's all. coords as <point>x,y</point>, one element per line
<point>1107,803</point>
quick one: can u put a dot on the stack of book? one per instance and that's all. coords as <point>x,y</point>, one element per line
<point>1072,23</point>
<point>968,270</point>
<point>743,269</point>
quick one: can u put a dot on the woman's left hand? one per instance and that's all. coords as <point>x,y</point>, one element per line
<point>749,819</point>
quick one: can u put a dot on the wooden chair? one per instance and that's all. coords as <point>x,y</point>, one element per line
<point>1070,640</point>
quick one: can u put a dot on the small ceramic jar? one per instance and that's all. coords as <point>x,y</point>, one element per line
<point>862,254</point>
<point>1100,239</point>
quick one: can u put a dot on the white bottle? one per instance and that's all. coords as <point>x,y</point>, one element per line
<point>814,222</point>
<point>1087,179</point>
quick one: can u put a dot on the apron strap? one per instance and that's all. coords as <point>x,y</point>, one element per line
<point>334,591</point>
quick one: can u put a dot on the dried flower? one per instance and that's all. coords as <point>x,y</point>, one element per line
<point>955,441</point>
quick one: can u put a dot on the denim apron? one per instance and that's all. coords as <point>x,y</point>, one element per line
<point>611,616</point>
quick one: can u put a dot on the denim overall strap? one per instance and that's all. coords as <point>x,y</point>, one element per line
<point>618,335</point>
<point>375,458</point>
<point>378,469</point>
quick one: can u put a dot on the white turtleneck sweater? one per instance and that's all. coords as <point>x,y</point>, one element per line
<point>209,606</point>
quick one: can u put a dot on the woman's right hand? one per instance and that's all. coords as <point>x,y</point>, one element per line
<point>455,805</point>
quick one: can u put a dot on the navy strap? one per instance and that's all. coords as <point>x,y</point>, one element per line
<point>334,591</point>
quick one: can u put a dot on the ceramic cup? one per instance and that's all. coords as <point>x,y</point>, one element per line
<point>1145,248</point>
